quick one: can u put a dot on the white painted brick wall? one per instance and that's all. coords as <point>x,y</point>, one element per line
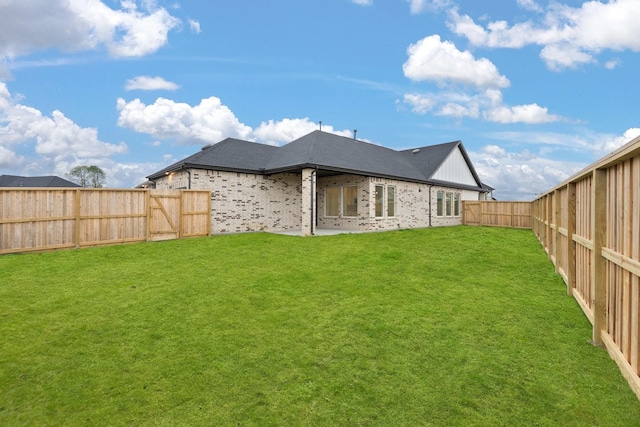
<point>243,202</point>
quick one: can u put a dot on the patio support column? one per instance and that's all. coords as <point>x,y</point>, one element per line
<point>308,201</point>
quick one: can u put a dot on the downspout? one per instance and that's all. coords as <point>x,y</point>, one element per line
<point>314,174</point>
<point>430,185</point>
<point>189,181</point>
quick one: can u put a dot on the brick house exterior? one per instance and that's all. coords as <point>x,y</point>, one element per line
<point>325,181</point>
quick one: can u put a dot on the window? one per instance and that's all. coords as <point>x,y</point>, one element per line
<point>350,201</point>
<point>379,200</point>
<point>332,202</point>
<point>440,210</point>
<point>391,201</point>
<point>456,204</point>
<point>448,204</point>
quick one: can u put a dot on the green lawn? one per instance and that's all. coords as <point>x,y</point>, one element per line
<point>444,327</point>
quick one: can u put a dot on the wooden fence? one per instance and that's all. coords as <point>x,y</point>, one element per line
<point>37,219</point>
<point>590,227</point>
<point>497,214</point>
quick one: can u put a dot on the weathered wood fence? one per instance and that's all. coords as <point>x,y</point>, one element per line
<point>590,227</point>
<point>497,214</point>
<point>37,219</point>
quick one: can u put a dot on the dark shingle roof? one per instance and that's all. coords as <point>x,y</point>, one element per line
<point>325,151</point>
<point>333,152</point>
<point>229,154</point>
<point>34,181</point>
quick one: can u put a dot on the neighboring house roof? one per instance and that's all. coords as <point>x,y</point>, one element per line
<point>329,153</point>
<point>34,181</point>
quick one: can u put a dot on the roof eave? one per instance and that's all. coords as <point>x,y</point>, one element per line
<point>348,171</point>
<point>185,166</point>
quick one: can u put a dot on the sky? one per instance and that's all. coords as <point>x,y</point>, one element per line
<point>536,90</point>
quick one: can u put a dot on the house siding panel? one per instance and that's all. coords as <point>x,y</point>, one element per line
<point>455,169</point>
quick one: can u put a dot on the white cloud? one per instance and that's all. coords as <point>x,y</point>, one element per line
<point>530,5</point>
<point>569,36</point>
<point>529,113</point>
<point>127,175</point>
<point>420,103</point>
<point>584,143</point>
<point>559,56</point>
<point>520,175</point>
<point>363,2</point>
<point>58,140</point>
<point>150,83</point>
<point>487,105</point>
<point>9,159</point>
<point>434,60</point>
<point>613,63</point>
<point>210,121</point>
<point>286,130</point>
<point>444,64</point>
<point>28,26</point>
<point>611,144</point>
<point>419,6</point>
<point>195,26</point>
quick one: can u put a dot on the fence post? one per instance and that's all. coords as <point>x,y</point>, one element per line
<point>549,231</point>
<point>571,244</point>
<point>147,200</point>
<point>77,215</point>
<point>181,214</point>
<point>557,219</point>
<point>598,263</point>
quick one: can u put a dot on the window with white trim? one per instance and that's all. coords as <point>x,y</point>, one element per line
<point>379,201</point>
<point>448,204</point>
<point>350,201</point>
<point>332,201</point>
<point>341,201</point>
<point>391,201</point>
<point>385,201</point>
<point>456,204</point>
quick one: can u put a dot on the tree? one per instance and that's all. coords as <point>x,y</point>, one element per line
<point>87,176</point>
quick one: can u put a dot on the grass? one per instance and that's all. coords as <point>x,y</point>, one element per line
<point>442,327</point>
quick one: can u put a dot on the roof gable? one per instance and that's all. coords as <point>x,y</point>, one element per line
<point>428,159</point>
<point>455,169</point>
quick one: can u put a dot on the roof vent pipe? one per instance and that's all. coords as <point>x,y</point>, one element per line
<point>320,125</point>
<point>355,131</point>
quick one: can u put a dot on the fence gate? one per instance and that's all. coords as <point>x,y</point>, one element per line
<point>165,213</point>
<point>472,213</point>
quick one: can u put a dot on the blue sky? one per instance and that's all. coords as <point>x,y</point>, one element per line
<point>536,90</point>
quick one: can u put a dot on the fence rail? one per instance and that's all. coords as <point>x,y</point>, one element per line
<point>497,214</point>
<point>590,228</point>
<point>37,219</point>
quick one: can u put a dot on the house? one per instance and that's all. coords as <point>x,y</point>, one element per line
<point>35,181</point>
<point>325,181</point>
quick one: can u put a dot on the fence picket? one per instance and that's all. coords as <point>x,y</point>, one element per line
<point>37,219</point>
